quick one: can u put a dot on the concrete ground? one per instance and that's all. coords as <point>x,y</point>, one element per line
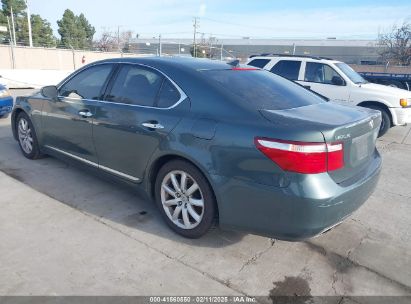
<point>66,232</point>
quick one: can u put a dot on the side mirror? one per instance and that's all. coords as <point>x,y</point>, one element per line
<point>50,92</point>
<point>337,80</point>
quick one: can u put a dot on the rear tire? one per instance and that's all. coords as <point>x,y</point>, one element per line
<point>385,122</point>
<point>26,136</point>
<point>190,213</point>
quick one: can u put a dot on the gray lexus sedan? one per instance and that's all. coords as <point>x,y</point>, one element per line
<point>210,142</point>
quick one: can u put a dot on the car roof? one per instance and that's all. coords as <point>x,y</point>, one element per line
<point>177,62</point>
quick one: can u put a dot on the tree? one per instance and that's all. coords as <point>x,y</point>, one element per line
<point>18,7</point>
<point>68,29</point>
<point>106,43</point>
<point>4,36</point>
<point>88,28</point>
<point>110,42</point>
<point>42,32</point>
<point>75,31</point>
<point>396,45</point>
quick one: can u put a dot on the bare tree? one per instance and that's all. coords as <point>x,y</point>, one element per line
<point>396,45</point>
<point>106,43</point>
<point>110,41</point>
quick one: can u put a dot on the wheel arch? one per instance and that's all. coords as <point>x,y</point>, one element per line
<point>160,161</point>
<point>381,105</point>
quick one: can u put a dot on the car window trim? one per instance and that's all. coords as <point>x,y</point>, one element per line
<point>183,95</point>
<point>305,71</point>
<point>156,99</point>
<point>103,88</point>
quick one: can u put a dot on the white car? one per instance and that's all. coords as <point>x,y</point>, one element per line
<point>339,82</point>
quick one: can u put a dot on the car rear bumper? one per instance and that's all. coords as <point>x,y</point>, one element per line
<point>307,207</point>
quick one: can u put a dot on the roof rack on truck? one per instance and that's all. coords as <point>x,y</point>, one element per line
<point>289,55</point>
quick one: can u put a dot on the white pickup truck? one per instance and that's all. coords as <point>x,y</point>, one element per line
<point>339,82</point>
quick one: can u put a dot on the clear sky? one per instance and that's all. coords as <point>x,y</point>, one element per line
<point>234,19</point>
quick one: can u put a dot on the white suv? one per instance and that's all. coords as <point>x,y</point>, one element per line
<point>339,82</point>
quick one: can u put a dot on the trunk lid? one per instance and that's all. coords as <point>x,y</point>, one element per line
<point>355,127</point>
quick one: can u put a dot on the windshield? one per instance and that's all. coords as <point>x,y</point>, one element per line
<point>350,73</point>
<point>262,89</point>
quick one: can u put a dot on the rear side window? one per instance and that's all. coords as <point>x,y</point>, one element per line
<point>135,85</point>
<point>87,84</point>
<point>287,68</point>
<point>261,89</point>
<point>259,63</point>
<point>168,95</point>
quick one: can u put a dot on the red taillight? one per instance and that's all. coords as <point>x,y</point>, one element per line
<point>335,156</point>
<point>302,157</point>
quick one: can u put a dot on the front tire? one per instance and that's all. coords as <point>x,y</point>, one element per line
<point>185,199</point>
<point>386,120</point>
<point>26,136</point>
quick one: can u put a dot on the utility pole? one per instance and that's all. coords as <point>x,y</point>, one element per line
<point>11,44</point>
<point>118,38</point>
<point>12,24</point>
<point>221,52</point>
<point>159,45</point>
<point>211,45</point>
<point>29,24</point>
<point>195,25</point>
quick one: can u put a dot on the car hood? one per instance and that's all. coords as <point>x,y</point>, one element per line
<point>379,89</point>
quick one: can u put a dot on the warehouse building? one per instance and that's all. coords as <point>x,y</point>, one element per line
<point>350,51</point>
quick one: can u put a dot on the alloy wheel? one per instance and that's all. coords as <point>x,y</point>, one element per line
<point>25,135</point>
<point>182,199</point>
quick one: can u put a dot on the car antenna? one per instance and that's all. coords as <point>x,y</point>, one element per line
<point>234,63</point>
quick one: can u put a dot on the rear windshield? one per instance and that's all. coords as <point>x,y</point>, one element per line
<point>262,89</point>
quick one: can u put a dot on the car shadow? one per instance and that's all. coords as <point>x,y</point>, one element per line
<point>117,205</point>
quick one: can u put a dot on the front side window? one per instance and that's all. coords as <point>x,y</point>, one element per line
<point>135,85</point>
<point>88,83</point>
<point>287,68</point>
<point>259,63</point>
<point>322,73</point>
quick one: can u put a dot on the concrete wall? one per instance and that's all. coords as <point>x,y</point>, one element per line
<point>50,59</point>
<point>37,67</point>
<point>23,78</point>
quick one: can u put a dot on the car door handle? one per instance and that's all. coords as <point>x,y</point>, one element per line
<point>151,125</point>
<point>85,113</point>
